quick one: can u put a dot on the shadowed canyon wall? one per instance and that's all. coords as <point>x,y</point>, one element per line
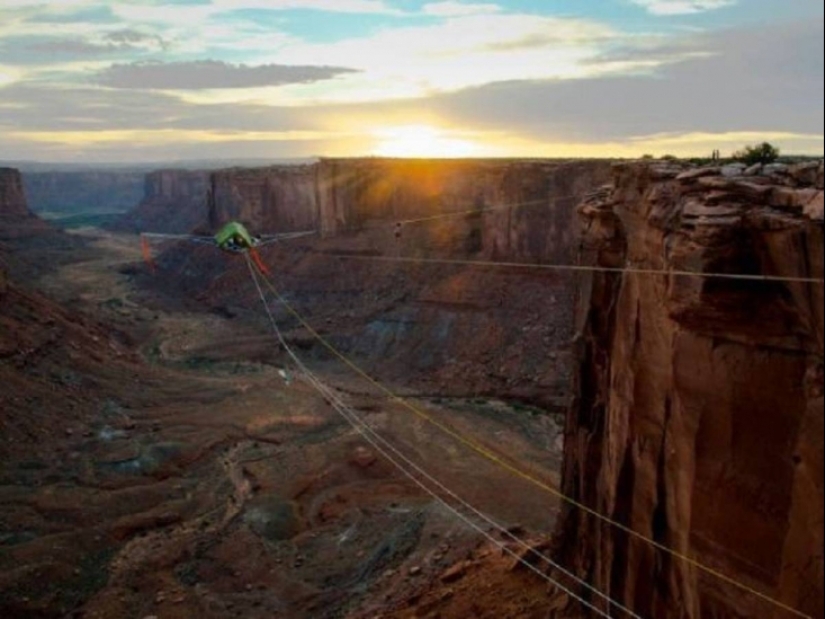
<point>699,419</point>
<point>86,192</point>
<point>174,202</point>
<point>12,196</point>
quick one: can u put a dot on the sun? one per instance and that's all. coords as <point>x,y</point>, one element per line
<point>420,141</point>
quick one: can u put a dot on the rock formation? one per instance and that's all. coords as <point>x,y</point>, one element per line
<point>12,197</point>
<point>88,192</point>
<point>269,200</point>
<point>174,201</point>
<point>22,229</point>
<point>699,423</point>
<point>337,196</point>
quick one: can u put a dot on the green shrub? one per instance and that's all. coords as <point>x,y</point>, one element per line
<point>761,153</point>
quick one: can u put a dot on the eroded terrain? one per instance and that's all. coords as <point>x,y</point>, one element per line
<point>195,477</point>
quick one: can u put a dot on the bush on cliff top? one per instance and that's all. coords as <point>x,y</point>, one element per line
<point>761,153</point>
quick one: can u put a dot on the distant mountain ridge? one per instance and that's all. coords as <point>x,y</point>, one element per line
<point>29,167</point>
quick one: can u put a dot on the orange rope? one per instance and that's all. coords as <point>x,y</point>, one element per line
<point>256,257</point>
<point>147,254</point>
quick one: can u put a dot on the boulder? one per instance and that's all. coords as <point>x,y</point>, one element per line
<point>754,170</point>
<point>814,209</point>
<point>805,173</point>
<point>691,175</point>
<point>734,170</point>
<point>775,169</point>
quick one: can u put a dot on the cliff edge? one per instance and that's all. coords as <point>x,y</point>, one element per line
<point>699,419</point>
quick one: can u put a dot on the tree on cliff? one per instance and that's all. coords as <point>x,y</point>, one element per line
<point>761,153</point>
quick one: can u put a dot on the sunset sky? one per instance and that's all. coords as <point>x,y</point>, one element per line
<point>90,81</point>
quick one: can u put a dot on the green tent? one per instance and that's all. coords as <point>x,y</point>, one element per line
<point>234,237</point>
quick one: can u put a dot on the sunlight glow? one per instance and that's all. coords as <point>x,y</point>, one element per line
<point>8,76</point>
<point>422,141</point>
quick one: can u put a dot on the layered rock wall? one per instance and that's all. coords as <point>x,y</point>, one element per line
<point>355,193</point>
<point>699,419</point>
<point>268,200</point>
<point>174,201</point>
<point>83,192</point>
<point>12,196</point>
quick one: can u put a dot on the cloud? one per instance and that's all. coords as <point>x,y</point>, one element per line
<point>532,85</point>
<point>117,42</point>
<point>135,38</point>
<point>40,107</point>
<point>455,53</point>
<point>330,6</point>
<point>683,7</point>
<point>451,8</point>
<point>715,89</point>
<point>210,74</point>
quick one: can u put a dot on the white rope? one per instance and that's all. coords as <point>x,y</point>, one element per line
<point>373,437</point>
<point>484,210</point>
<point>575,268</point>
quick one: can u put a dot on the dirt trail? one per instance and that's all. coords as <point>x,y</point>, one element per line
<point>210,486</point>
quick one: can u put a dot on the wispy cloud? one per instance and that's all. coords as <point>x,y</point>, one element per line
<point>454,53</point>
<point>683,7</point>
<point>451,8</point>
<point>210,74</point>
<point>117,42</point>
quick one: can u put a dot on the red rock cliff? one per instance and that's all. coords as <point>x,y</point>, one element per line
<point>87,191</point>
<point>699,422</point>
<point>12,196</point>
<point>175,201</point>
<point>268,200</point>
<point>352,193</point>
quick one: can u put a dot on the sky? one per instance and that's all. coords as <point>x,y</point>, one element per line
<point>144,80</point>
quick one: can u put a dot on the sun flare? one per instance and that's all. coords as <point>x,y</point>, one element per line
<point>422,141</point>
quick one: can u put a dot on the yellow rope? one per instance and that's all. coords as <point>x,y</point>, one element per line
<point>492,457</point>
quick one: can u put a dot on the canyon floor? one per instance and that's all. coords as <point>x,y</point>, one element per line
<point>190,478</point>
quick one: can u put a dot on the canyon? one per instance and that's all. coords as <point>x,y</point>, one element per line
<point>448,330</point>
<point>686,409</point>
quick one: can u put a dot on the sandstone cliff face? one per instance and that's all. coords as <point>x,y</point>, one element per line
<point>174,201</point>
<point>87,192</point>
<point>269,200</point>
<point>21,230</point>
<point>353,193</point>
<point>12,196</point>
<point>699,422</point>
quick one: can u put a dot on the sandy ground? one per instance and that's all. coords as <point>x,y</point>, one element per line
<point>210,486</point>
